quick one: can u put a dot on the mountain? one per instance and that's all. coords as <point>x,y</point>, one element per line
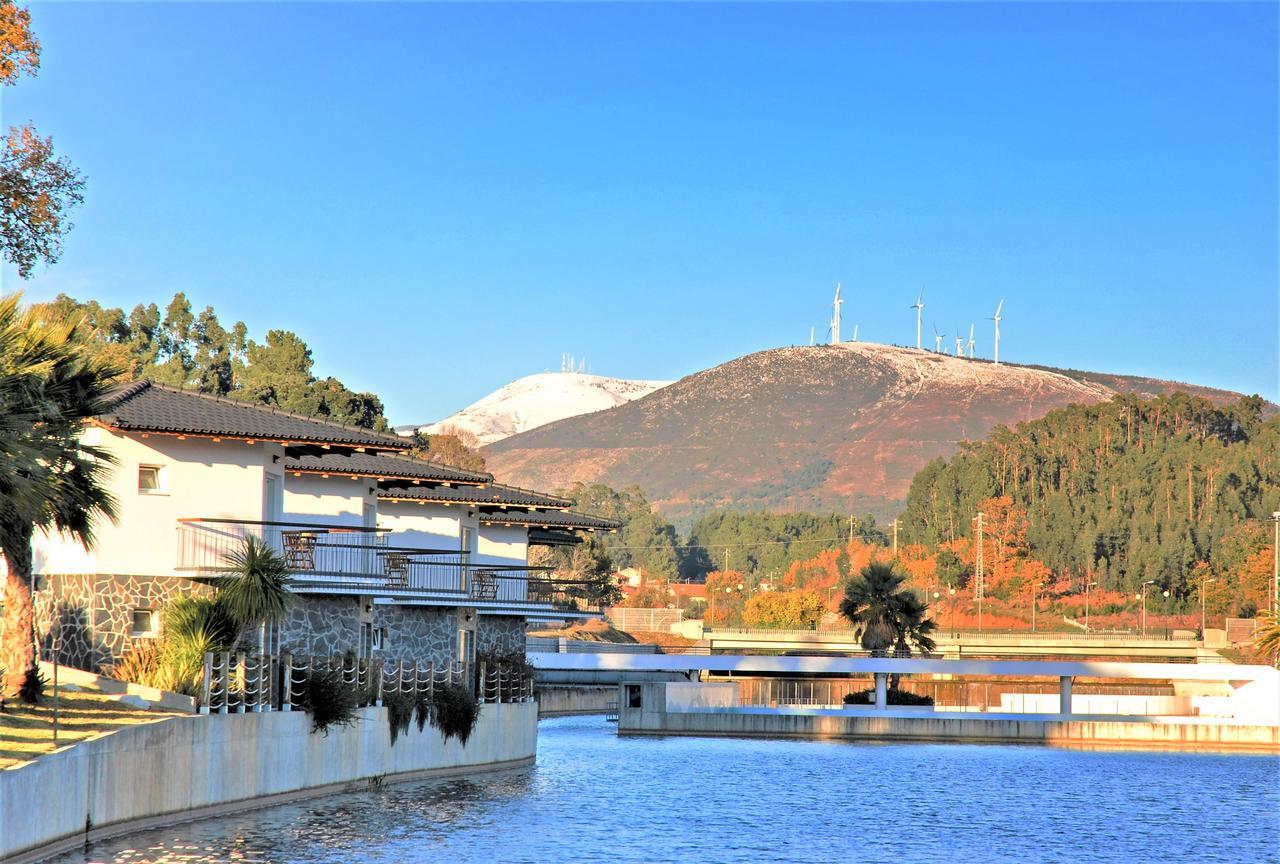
<point>831,427</point>
<point>535,400</point>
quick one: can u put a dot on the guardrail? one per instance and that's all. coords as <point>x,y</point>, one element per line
<point>1003,636</point>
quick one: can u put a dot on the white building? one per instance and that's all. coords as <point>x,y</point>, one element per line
<point>390,556</point>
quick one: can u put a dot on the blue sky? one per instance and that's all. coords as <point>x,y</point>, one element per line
<point>441,198</point>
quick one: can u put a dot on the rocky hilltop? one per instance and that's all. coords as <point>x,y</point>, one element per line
<point>830,427</point>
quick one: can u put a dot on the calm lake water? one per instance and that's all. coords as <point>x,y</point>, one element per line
<point>596,797</point>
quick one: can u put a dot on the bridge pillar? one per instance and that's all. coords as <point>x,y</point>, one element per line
<point>882,694</point>
<point>1064,691</point>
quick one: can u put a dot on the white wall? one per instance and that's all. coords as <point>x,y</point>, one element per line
<point>187,764</point>
<point>333,500</point>
<point>201,478</point>
<point>503,544</point>
<point>432,526</point>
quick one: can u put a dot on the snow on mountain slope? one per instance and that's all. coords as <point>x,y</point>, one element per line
<point>536,400</point>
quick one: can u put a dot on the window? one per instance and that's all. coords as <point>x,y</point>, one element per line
<point>146,623</point>
<point>151,480</point>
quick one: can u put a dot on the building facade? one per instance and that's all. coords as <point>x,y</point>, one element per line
<point>390,556</point>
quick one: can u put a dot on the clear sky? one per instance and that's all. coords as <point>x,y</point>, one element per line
<point>441,198</point>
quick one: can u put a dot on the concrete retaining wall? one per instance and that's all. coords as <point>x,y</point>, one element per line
<point>188,767</point>
<point>559,701</point>
<point>835,724</point>
<point>656,715</point>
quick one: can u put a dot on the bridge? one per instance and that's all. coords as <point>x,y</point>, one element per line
<point>970,644</point>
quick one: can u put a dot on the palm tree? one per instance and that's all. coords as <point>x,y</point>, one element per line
<point>886,613</point>
<point>258,591</point>
<point>1266,638</point>
<point>50,384</point>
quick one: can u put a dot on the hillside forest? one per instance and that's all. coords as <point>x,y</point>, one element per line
<point>1089,507</point>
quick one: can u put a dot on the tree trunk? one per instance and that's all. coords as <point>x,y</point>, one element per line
<point>17,649</point>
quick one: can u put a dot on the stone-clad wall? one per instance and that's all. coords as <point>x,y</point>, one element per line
<point>500,635</point>
<point>321,626</point>
<point>427,634</point>
<point>329,626</point>
<point>96,613</point>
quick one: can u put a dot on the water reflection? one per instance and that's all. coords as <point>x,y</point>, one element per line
<point>593,796</point>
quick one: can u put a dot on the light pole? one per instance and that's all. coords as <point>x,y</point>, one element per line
<point>1204,584</point>
<point>1143,598</point>
<point>1275,572</point>
<point>952,593</point>
<point>1087,586</point>
<point>1166,614</point>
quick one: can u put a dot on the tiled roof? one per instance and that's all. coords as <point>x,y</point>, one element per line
<point>380,466</point>
<point>550,519</point>
<point>145,406</point>
<point>492,495</point>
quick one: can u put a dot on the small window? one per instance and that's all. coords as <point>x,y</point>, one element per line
<point>146,622</point>
<point>150,479</point>
<point>633,696</point>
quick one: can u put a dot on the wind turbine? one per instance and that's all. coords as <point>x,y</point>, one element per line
<point>959,343</point>
<point>996,318</point>
<point>919,307</point>
<point>855,332</point>
<point>937,340</point>
<point>810,337</point>
<point>971,342</point>
<point>835,317</point>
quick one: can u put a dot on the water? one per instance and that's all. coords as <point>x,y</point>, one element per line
<point>596,797</point>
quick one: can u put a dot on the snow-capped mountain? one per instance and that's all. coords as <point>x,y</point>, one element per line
<point>536,400</point>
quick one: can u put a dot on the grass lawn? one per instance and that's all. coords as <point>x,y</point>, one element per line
<point>26,731</point>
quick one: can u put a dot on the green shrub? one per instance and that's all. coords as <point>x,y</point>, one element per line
<point>32,690</point>
<point>329,699</point>
<point>893,696</point>
<point>454,711</point>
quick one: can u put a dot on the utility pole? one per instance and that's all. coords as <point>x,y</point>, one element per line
<point>1204,588</point>
<point>895,538</point>
<point>979,573</point>
<point>850,529</point>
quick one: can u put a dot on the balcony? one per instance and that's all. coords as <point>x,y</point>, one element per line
<point>334,559</point>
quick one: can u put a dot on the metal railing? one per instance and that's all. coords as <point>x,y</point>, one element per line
<point>947,636</point>
<point>238,683</point>
<point>328,558</point>
<point>955,694</point>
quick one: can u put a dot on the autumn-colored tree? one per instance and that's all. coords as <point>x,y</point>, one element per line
<point>457,448</point>
<point>800,609</point>
<point>726,594</point>
<point>37,189</point>
<point>1004,542</point>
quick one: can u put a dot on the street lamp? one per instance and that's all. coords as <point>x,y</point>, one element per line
<point>1143,598</point>
<point>1087,586</point>
<point>1166,613</point>
<point>1204,584</point>
<point>1275,573</point>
